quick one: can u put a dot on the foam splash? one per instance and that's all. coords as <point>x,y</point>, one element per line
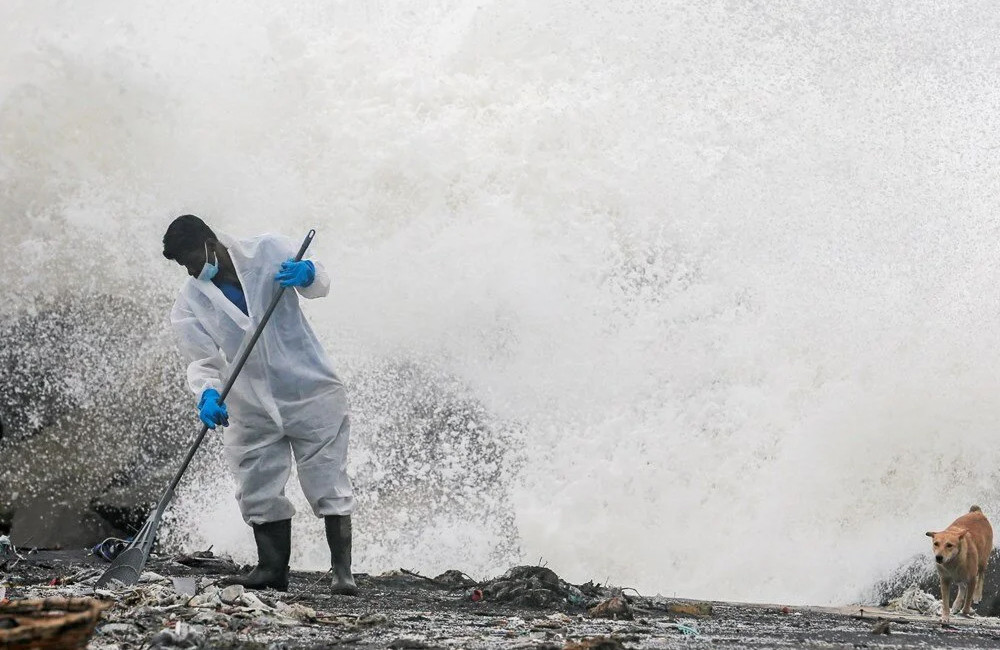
<point>730,270</point>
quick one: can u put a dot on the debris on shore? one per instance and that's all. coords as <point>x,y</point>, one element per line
<point>915,599</point>
<point>178,603</point>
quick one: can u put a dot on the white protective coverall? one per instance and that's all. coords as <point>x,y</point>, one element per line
<point>287,399</point>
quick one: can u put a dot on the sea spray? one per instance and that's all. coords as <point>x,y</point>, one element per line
<point>724,274</point>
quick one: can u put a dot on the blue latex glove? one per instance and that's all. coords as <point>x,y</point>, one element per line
<point>296,274</point>
<point>211,410</point>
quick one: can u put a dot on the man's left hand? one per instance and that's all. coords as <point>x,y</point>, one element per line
<point>296,274</point>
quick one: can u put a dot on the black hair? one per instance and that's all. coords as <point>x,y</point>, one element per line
<point>185,234</point>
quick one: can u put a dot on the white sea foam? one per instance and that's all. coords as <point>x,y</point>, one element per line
<point>731,269</point>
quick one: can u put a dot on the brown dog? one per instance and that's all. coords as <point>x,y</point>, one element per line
<point>962,551</point>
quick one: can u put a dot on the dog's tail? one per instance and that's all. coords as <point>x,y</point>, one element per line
<point>975,509</point>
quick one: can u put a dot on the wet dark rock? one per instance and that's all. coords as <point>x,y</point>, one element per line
<point>89,391</point>
<point>64,521</point>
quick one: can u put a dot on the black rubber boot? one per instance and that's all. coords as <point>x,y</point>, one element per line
<point>338,536</point>
<point>274,547</point>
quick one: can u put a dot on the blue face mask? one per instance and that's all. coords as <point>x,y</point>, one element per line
<point>209,270</point>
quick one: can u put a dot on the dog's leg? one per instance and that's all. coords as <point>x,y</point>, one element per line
<point>945,599</point>
<point>979,586</point>
<point>959,598</point>
<point>970,590</point>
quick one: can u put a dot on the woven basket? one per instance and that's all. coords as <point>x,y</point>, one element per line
<point>50,624</point>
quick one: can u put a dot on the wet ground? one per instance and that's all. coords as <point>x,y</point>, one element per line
<point>400,610</point>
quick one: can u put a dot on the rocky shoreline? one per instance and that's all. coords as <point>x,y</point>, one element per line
<point>177,605</point>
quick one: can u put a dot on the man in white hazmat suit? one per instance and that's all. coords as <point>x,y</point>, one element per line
<point>287,400</point>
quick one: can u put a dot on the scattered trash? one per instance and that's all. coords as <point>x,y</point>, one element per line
<point>455,579</point>
<point>785,610</point>
<point>208,560</point>
<point>208,598</point>
<point>113,629</point>
<point>915,599</point>
<point>110,548</point>
<point>296,611</point>
<point>182,635</point>
<point>477,595</point>
<point>184,586</point>
<point>686,629</point>
<point>615,607</point>
<point>532,586</point>
<point>151,576</point>
<point>232,593</point>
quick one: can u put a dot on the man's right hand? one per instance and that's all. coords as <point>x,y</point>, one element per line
<point>211,410</point>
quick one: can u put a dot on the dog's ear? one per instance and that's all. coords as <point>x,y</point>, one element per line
<point>962,534</point>
<point>930,534</point>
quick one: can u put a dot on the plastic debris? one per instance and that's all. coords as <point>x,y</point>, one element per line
<point>686,629</point>
<point>152,576</point>
<point>210,597</point>
<point>182,635</point>
<point>254,603</point>
<point>232,593</point>
<point>110,548</point>
<point>915,599</point>
<point>184,586</point>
